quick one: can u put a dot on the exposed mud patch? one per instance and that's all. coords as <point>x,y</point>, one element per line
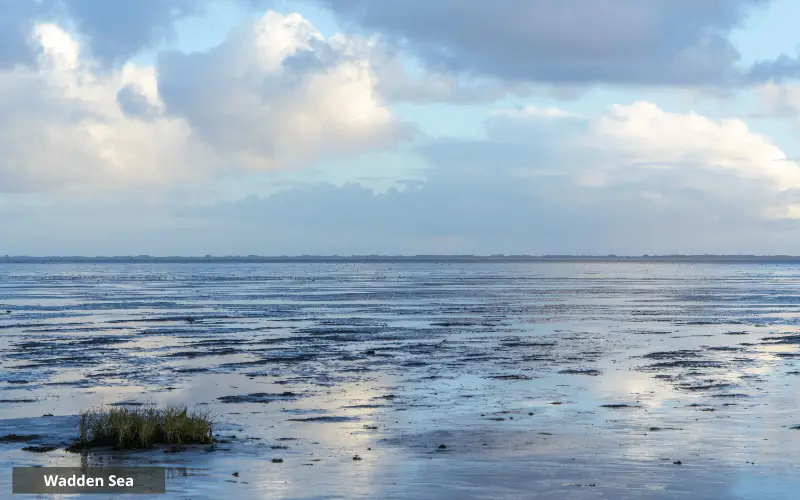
<point>259,397</point>
<point>324,419</point>
<point>590,372</point>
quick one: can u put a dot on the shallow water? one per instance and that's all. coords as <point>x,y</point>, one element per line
<point>573,380</point>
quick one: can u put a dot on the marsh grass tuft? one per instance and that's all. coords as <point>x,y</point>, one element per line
<point>128,428</point>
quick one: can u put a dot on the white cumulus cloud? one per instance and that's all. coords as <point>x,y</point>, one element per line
<point>275,95</point>
<point>61,125</point>
<point>649,138</point>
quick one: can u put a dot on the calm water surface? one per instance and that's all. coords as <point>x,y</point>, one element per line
<point>541,380</point>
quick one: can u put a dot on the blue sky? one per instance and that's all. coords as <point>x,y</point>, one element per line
<point>196,127</point>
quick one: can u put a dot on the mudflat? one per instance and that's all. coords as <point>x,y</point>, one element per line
<point>418,379</point>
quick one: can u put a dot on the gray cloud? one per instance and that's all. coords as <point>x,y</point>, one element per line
<point>134,103</point>
<point>670,42</point>
<point>781,68</point>
<point>16,23</point>
<point>681,42</point>
<point>115,30</point>
<point>396,83</point>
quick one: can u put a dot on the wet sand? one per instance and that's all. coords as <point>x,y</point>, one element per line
<point>419,380</point>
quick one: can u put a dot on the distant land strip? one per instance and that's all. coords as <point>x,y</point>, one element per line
<point>146,259</point>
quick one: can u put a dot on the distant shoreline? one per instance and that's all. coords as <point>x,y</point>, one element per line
<point>390,259</point>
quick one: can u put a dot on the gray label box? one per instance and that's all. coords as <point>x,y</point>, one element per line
<point>120,480</point>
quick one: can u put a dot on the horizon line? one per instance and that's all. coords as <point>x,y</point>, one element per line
<point>387,257</point>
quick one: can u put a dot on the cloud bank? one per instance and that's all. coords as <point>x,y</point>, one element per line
<point>636,179</point>
<point>115,143</point>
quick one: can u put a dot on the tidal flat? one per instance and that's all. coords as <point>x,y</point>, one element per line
<point>417,380</point>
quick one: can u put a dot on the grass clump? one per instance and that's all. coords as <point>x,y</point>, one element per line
<point>129,428</point>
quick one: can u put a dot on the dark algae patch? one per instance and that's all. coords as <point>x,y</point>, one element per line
<point>513,376</point>
<point>671,355</point>
<point>784,339</point>
<point>591,372</point>
<point>18,438</point>
<point>704,387</point>
<point>39,449</point>
<point>325,418</point>
<point>684,363</point>
<point>259,397</point>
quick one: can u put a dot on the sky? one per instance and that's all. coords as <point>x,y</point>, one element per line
<point>351,127</point>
